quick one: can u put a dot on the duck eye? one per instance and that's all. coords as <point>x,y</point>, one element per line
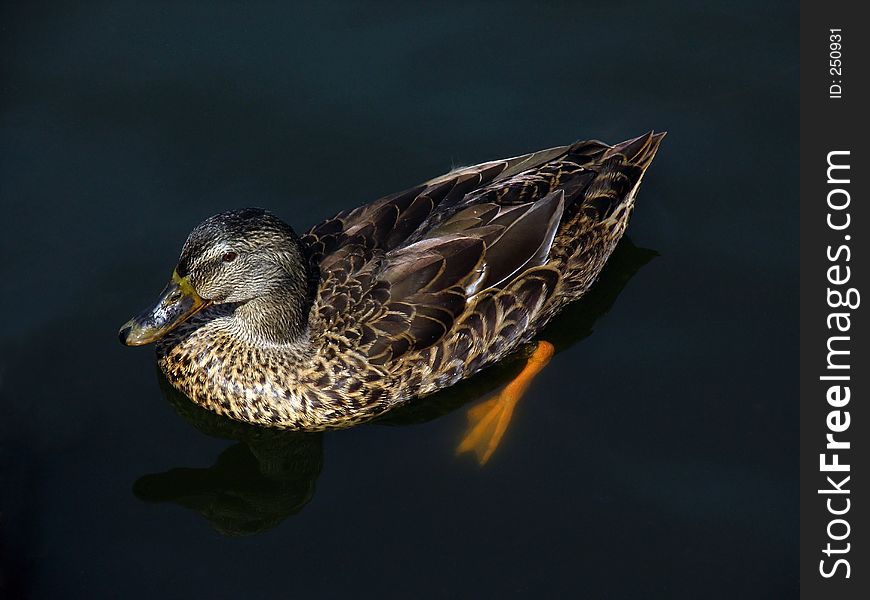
<point>229,256</point>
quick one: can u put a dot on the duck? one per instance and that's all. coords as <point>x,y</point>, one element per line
<point>394,300</point>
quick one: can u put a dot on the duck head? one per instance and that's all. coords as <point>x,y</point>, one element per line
<point>234,257</point>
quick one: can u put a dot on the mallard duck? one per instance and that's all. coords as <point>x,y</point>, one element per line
<point>393,300</point>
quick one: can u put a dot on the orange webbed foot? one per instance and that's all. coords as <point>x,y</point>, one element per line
<point>488,421</point>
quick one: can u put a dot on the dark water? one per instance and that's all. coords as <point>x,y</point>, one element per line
<point>655,457</point>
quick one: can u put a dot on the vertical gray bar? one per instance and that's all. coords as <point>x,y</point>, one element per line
<point>835,225</point>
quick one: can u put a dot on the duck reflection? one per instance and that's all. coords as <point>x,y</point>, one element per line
<point>252,486</point>
<point>271,474</point>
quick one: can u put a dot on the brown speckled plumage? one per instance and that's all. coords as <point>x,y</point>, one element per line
<point>408,294</point>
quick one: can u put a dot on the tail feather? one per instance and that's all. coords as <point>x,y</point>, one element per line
<point>619,170</point>
<point>639,151</point>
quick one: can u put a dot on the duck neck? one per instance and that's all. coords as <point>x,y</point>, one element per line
<point>279,317</point>
<point>271,320</point>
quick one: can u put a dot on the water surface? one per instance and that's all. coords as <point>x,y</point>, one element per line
<point>654,457</point>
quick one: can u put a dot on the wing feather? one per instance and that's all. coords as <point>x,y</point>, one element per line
<point>395,275</point>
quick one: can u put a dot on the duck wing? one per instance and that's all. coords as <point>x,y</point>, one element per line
<point>396,274</point>
<point>394,220</point>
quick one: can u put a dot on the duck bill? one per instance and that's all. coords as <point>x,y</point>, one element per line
<point>177,303</point>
